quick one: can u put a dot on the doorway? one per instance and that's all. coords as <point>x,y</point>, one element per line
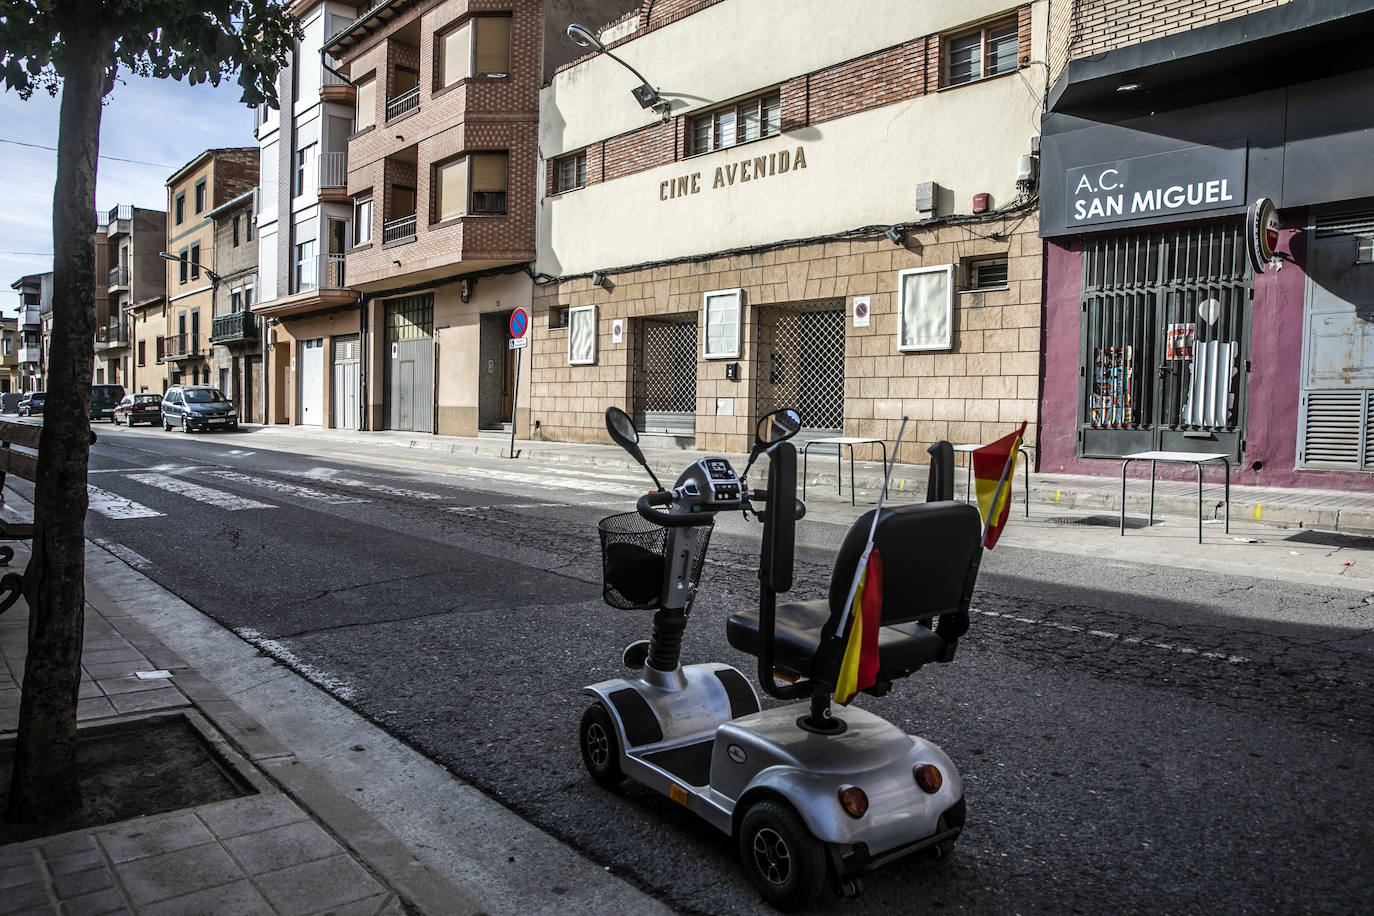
<point>496,373</point>
<point>409,376</point>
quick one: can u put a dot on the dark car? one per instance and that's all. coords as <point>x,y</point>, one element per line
<point>138,408</point>
<point>104,400</point>
<point>197,407</point>
<point>31,404</point>
<point>9,401</point>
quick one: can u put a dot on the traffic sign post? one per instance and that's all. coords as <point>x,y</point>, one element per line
<point>519,327</point>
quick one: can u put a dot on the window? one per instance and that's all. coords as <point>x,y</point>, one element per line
<point>305,159</point>
<point>200,196</point>
<point>366,114</point>
<point>570,172</point>
<point>195,330</point>
<point>305,265</point>
<point>451,182</point>
<point>142,353</point>
<point>723,313</point>
<point>1364,249</point>
<point>247,298</point>
<point>925,297</point>
<point>488,54</point>
<point>236,232</point>
<point>235,302</point>
<point>988,273</point>
<point>488,177</point>
<point>740,122</point>
<point>181,208</point>
<point>248,227</point>
<point>983,52</point>
<point>582,335</point>
<point>402,201</point>
<point>362,221</point>
<point>195,261</point>
<point>558,317</point>
<point>9,345</point>
<point>182,265</point>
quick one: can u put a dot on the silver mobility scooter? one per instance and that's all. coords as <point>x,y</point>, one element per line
<point>804,791</point>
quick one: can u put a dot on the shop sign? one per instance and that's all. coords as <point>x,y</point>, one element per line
<point>752,168</point>
<point>1261,233</point>
<point>1164,184</point>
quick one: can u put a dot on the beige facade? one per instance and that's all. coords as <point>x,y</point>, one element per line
<point>10,379</point>
<point>147,328</point>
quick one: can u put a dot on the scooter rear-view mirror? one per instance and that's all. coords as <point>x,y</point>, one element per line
<point>624,434</point>
<point>777,426</point>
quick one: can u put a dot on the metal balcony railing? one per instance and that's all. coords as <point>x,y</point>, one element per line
<point>331,79</point>
<point>177,346</point>
<point>112,334</point>
<point>406,101</point>
<point>123,211</point>
<point>324,271</point>
<point>234,327</point>
<point>119,276</point>
<point>394,230</point>
<point>333,170</point>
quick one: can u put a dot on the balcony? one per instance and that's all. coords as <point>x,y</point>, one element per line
<point>324,271</point>
<point>31,317</point>
<point>333,177</point>
<point>30,355</point>
<point>112,337</point>
<point>178,347</point>
<point>119,277</point>
<point>406,101</point>
<point>335,88</point>
<point>236,327</point>
<point>119,220</point>
<point>395,230</point>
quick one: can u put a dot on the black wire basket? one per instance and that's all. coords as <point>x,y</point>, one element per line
<point>632,560</point>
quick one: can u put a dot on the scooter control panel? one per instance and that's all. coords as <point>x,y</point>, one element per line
<point>711,485</point>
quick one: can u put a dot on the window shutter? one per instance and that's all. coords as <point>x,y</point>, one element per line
<point>367,103</point>
<point>489,172</point>
<point>453,190</point>
<point>456,55</point>
<point>1336,427</point>
<point>493,44</point>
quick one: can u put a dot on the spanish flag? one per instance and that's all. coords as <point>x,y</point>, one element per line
<point>992,468</point>
<point>859,668</point>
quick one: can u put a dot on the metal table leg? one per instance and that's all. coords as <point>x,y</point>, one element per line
<point>883,445</point>
<point>851,472</point>
<point>839,470</point>
<point>1152,492</point>
<point>1124,462</point>
<point>1227,463</point>
<point>1025,466</point>
<point>805,449</point>
<point>1198,465</point>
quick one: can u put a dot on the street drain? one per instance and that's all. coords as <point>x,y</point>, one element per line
<point>1096,521</point>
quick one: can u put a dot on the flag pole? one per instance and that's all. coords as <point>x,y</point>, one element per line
<point>997,495</point>
<point>868,547</point>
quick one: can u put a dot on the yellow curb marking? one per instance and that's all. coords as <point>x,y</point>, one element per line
<point>1259,510</point>
<point>1057,494</point>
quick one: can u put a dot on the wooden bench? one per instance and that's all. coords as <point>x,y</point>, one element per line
<point>17,524</point>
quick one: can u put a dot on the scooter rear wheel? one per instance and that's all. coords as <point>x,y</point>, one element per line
<point>780,856</point>
<point>600,748</point>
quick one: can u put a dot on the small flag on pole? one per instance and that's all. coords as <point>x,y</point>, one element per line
<point>992,467</point>
<point>859,668</point>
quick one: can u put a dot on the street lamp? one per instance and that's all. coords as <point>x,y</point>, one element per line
<point>646,95</point>
<point>215,279</point>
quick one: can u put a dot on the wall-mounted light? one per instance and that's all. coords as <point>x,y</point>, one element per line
<point>647,96</point>
<point>1130,86</point>
<point>894,235</point>
<point>601,280</point>
<point>465,289</point>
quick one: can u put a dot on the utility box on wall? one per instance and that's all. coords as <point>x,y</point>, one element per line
<point>927,198</point>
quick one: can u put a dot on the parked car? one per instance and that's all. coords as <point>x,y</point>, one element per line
<point>138,408</point>
<point>31,404</point>
<point>9,401</point>
<point>104,400</point>
<point>197,407</point>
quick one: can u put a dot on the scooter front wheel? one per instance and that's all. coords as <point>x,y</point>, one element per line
<point>780,856</point>
<point>600,747</point>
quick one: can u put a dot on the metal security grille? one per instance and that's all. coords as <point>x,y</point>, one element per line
<point>665,380</point>
<point>801,363</point>
<point>1164,341</point>
<point>409,318</point>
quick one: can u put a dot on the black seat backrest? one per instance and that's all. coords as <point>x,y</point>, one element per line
<point>930,555</point>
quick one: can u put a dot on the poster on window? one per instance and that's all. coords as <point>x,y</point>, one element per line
<point>1110,401</point>
<point>1209,385</point>
<point>1178,341</point>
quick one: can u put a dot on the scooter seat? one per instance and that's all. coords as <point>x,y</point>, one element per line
<point>902,648</point>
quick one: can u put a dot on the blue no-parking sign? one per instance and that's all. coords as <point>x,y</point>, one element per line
<point>519,322</point>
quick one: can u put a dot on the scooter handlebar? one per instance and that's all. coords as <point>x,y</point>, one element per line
<point>646,503</point>
<point>761,495</point>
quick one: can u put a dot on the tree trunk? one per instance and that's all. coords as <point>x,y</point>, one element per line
<point>44,784</point>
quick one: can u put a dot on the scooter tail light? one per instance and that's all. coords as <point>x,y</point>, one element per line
<point>928,777</point>
<point>854,801</point>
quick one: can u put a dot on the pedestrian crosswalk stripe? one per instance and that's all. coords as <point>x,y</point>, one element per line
<point>217,498</point>
<point>557,482</point>
<point>325,475</point>
<point>112,505</point>
<point>289,489</point>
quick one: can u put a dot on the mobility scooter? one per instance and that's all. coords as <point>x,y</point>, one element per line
<point>804,790</point>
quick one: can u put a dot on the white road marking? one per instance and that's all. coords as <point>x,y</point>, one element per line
<point>136,560</point>
<point>293,661</point>
<point>290,489</point>
<point>112,505</point>
<point>216,498</point>
<point>328,476</point>
<point>1134,640</point>
<point>556,483</point>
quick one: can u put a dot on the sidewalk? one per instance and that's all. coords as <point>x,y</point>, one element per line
<point>1327,510</point>
<point>338,817</point>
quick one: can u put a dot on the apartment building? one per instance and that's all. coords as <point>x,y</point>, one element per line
<point>35,313</point>
<point>10,378</point>
<point>1166,123</point>
<point>213,178</point>
<point>304,224</point>
<point>127,270</point>
<point>846,226</point>
<point>235,341</point>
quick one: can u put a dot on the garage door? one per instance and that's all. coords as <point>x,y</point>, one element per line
<point>347,380</point>
<point>311,373</point>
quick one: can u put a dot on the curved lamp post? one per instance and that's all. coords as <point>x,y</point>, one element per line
<point>647,96</point>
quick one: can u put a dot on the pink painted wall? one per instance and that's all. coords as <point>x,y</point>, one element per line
<point>1275,358</point>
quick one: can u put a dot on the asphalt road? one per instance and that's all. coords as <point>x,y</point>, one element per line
<point>1132,737</point>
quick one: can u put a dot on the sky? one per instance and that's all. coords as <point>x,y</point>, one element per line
<point>162,122</point>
